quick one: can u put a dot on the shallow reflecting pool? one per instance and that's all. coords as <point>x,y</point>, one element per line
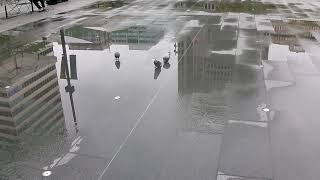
<point>234,97</point>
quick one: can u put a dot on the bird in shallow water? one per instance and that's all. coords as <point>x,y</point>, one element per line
<point>157,63</point>
<point>117,55</point>
<point>166,58</point>
<point>166,65</point>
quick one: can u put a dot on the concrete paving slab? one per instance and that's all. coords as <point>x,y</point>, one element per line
<point>245,150</point>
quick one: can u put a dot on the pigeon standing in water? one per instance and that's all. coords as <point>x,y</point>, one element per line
<point>166,65</point>
<point>166,58</point>
<point>157,63</point>
<point>117,55</point>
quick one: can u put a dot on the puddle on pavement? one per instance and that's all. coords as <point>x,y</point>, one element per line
<point>287,33</point>
<point>214,74</point>
<point>29,76</point>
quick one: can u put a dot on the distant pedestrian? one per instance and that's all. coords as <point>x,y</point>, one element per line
<point>40,7</point>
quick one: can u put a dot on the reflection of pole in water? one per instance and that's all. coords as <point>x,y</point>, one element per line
<point>117,63</point>
<point>69,88</point>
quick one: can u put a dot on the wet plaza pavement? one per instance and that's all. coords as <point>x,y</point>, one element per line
<point>237,101</point>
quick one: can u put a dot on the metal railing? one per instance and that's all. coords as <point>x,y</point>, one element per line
<point>17,7</point>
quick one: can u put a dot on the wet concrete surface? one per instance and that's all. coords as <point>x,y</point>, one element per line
<point>228,105</point>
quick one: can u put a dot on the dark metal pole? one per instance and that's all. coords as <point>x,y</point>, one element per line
<point>32,10</point>
<point>5,9</point>
<point>69,88</point>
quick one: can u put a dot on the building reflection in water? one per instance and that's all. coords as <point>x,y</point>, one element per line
<point>288,32</point>
<point>30,100</point>
<point>205,76</point>
<point>98,38</point>
<point>86,38</point>
<point>138,37</point>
